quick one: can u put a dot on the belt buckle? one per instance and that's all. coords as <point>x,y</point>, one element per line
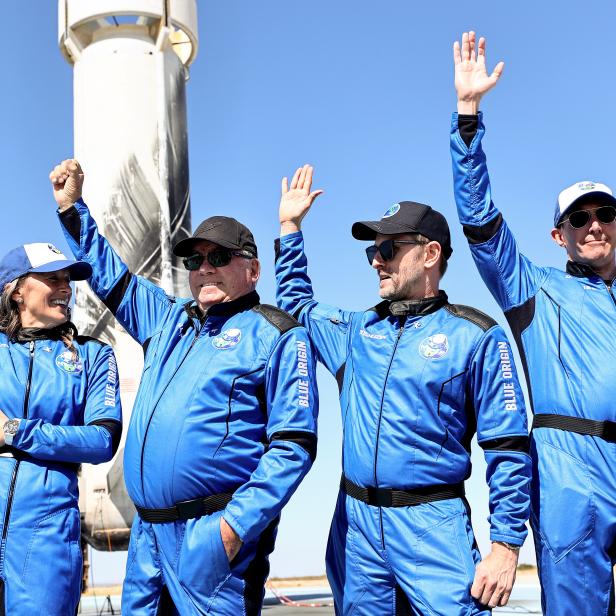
<point>379,497</point>
<point>609,431</point>
<point>189,509</point>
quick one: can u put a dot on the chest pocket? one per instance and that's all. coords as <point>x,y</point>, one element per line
<point>442,394</point>
<point>451,392</point>
<point>246,404</point>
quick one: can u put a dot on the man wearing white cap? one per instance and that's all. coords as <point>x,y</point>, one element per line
<point>564,326</point>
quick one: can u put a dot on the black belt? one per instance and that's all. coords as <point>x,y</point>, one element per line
<point>386,497</point>
<point>185,510</point>
<point>590,427</point>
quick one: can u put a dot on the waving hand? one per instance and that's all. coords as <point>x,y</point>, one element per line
<point>296,199</point>
<point>471,76</point>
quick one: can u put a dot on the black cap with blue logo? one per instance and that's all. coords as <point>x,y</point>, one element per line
<point>407,217</point>
<point>221,230</point>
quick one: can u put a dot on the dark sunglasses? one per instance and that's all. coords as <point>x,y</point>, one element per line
<point>387,249</point>
<point>605,214</point>
<point>219,257</point>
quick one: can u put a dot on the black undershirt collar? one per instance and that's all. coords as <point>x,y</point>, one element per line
<point>581,270</point>
<point>46,333</point>
<point>418,307</point>
<point>224,309</point>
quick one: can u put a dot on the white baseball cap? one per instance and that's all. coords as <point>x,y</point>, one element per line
<point>39,257</point>
<point>580,193</point>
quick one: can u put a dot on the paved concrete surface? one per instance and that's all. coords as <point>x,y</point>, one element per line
<point>524,600</point>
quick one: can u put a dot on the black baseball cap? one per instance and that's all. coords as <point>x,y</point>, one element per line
<point>407,217</point>
<point>221,230</point>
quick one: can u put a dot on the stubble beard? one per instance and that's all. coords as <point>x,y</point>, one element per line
<point>398,292</point>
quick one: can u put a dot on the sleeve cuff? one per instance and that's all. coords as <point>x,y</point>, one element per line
<point>467,126</point>
<point>513,540</point>
<point>290,236</point>
<point>235,525</point>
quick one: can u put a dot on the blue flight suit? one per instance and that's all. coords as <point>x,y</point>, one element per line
<point>563,323</point>
<point>417,379</point>
<point>69,405</point>
<point>227,405</point>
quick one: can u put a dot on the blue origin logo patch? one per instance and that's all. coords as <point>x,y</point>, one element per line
<point>53,249</point>
<point>434,347</point>
<point>227,339</point>
<point>69,362</point>
<point>586,185</point>
<point>394,209</point>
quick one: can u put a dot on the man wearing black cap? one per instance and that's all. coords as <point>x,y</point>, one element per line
<point>223,428</point>
<point>564,326</point>
<point>418,377</point>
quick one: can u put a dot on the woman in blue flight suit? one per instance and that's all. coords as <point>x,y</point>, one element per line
<point>59,407</point>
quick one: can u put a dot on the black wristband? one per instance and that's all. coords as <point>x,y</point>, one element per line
<point>467,125</point>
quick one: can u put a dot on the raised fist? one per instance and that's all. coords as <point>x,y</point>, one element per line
<point>67,181</point>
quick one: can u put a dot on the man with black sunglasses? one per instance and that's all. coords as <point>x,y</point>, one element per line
<point>564,326</point>
<point>223,428</point>
<point>418,377</point>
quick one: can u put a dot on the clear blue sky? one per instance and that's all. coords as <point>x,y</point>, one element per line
<point>364,91</point>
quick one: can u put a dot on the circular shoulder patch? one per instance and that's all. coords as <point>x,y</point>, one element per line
<point>434,347</point>
<point>69,363</point>
<point>227,339</point>
<point>394,209</point>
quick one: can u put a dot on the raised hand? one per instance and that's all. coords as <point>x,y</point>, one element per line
<point>67,181</point>
<point>296,200</point>
<point>471,77</point>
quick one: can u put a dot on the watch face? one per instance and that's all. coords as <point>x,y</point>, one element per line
<point>11,426</point>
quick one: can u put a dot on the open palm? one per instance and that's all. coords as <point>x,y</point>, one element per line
<point>471,77</point>
<point>297,198</point>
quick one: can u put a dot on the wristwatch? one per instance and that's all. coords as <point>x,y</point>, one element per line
<point>510,546</point>
<point>10,430</point>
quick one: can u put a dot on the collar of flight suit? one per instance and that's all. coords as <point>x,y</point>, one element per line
<point>46,333</point>
<point>417,307</point>
<point>224,309</point>
<point>580,270</point>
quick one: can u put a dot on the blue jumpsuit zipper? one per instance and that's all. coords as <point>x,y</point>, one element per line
<point>9,505</point>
